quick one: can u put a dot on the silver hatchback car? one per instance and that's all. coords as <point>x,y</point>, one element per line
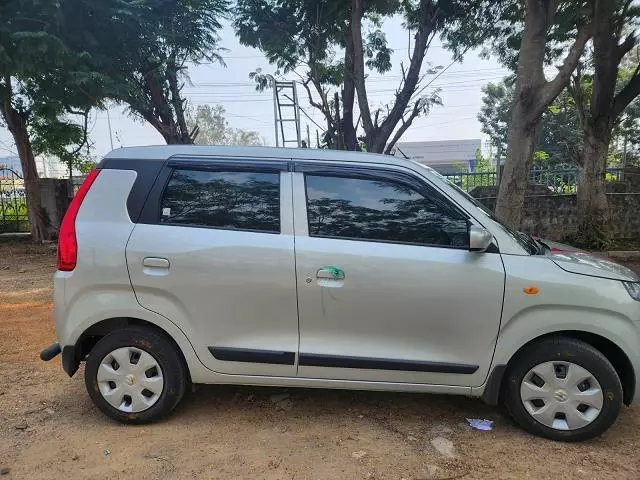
<point>330,269</point>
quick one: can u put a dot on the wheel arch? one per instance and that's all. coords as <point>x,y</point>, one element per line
<point>88,338</point>
<point>618,358</point>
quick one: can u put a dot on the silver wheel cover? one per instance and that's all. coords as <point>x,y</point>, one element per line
<point>561,395</point>
<point>130,379</point>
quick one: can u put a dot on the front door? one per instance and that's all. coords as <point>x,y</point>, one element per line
<point>218,260</point>
<point>387,287</point>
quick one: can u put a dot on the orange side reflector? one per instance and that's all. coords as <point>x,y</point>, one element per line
<point>531,290</point>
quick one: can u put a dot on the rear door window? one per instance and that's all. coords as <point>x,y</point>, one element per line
<point>381,210</point>
<point>235,200</point>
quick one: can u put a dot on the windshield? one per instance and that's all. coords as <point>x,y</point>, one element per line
<point>526,241</point>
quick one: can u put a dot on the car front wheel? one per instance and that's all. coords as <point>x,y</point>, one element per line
<point>563,389</point>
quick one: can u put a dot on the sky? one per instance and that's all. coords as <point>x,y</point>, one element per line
<point>248,109</point>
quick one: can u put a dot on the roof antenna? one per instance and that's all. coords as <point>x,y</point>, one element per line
<point>406,158</point>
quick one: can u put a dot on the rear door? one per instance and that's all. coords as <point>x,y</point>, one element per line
<point>387,287</point>
<point>214,253</point>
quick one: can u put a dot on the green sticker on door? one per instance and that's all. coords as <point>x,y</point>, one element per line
<point>336,272</point>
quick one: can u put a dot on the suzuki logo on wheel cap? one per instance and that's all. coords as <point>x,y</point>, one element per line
<point>130,379</point>
<point>560,395</point>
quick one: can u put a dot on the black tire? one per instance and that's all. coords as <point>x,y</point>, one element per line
<point>569,350</point>
<point>164,351</point>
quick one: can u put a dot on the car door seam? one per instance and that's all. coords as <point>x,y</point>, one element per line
<point>295,264</point>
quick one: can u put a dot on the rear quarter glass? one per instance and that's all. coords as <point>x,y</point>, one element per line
<point>147,171</point>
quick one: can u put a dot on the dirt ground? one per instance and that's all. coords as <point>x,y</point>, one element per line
<point>49,428</point>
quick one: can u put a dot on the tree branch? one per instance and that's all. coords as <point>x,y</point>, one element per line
<point>5,102</point>
<point>348,95</point>
<point>325,108</point>
<point>85,133</point>
<point>312,102</point>
<point>176,100</point>
<point>403,128</point>
<point>428,15</point>
<point>575,89</point>
<point>357,12</point>
<point>626,46</point>
<point>552,88</point>
<point>623,14</point>
<point>630,91</point>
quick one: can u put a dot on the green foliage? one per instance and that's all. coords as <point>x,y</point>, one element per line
<point>136,51</point>
<point>174,32</point>
<point>213,128</point>
<point>625,149</point>
<point>560,137</point>
<point>595,239</point>
<point>495,112</point>
<point>85,166</point>
<point>293,31</point>
<point>483,173</point>
<point>540,156</point>
<point>497,26</point>
<point>377,52</point>
<point>37,75</point>
<point>313,38</point>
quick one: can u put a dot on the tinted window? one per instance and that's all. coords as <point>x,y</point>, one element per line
<point>235,200</point>
<point>380,210</point>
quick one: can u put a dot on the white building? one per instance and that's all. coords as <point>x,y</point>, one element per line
<point>48,167</point>
<point>446,156</point>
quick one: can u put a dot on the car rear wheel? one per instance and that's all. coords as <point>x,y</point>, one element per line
<point>563,389</point>
<point>135,375</point>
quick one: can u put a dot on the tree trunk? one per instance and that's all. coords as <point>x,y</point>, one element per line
<point>523,137</point>
<point>348,96</point>
<point>177,101</point>
<point>532,95</point>
<point>524,127</point>
<point>18,128</point>
<point>357,12</point>
<point>173,138</point>
<point>593,209</point>
<point>161,116</point>
<point>377,135</point>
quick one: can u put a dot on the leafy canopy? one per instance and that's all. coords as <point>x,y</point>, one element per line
<point>214,129</point>
<point>328,44</point>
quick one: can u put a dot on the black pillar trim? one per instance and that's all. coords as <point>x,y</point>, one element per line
<point>339,361</point>
<point>249,355</point>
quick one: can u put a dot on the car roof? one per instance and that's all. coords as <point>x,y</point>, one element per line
<point>164,152</point>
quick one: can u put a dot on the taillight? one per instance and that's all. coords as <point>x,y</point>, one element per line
<point>67,241</point>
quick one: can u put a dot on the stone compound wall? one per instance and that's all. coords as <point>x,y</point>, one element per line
<point>553,216</point>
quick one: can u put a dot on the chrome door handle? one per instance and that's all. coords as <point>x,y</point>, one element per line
<point>155,262</point>
<point>330,272</point>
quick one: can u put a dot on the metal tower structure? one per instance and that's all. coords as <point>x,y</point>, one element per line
<point>286,110</point>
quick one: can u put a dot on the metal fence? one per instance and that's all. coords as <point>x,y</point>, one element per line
<point>556,181</point>
<point>14,216</point>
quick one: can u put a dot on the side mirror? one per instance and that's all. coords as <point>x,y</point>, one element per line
<point>479,238</point>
